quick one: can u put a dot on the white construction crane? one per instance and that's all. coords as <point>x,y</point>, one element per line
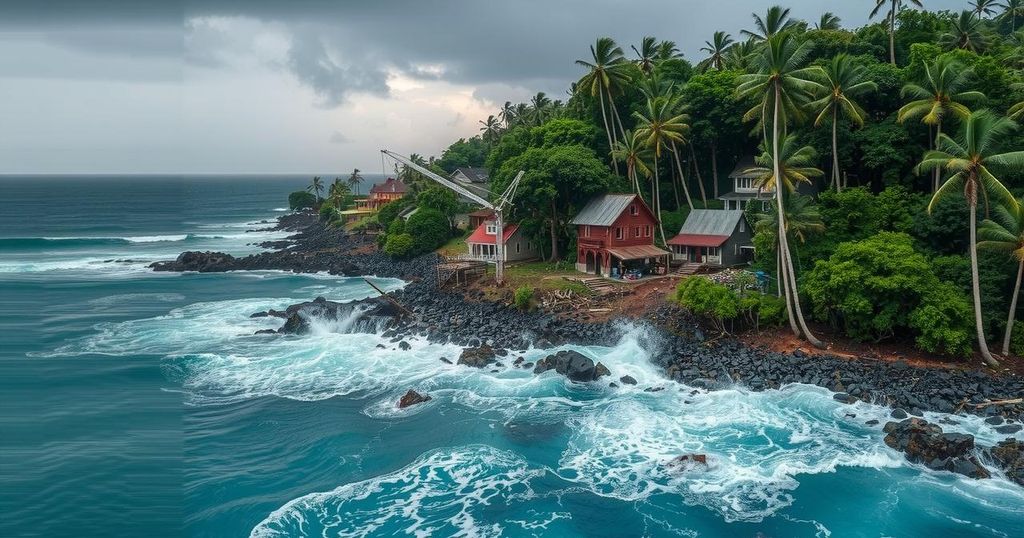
<point>498,207</point>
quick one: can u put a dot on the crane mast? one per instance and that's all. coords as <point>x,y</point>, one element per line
<point>504,200</point>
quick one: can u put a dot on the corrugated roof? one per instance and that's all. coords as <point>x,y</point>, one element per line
<point>691,240</point>
<point>637,252</point>
<point>603,210</point>
<point>711,222</point>
<point>746,163</point>
<point>480,235</point>
<point>475,175</point>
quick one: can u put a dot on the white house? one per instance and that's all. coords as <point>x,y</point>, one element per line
<point>481,243</point>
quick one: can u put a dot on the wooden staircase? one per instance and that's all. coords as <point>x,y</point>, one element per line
<point>596,284</point>
<point>688,269</point>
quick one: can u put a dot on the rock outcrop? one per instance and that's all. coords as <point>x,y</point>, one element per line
<point>572,365</point>
<point>412,398</point>
<point>1009,454</point>
<point>924,442</point>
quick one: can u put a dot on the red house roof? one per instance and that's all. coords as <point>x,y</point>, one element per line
<point>696,240</point>
<point>390,185</point>
<point>480,235</point>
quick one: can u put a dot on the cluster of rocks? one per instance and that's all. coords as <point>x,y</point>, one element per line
<point>573,365</point>
<point>373,313</point>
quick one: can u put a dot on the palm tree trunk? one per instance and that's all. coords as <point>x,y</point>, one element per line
<point>682,177</point>
<point>615,113</point>
<point>700,179</point>
<point>936,174</point>
<point>714,169</point>
<point>608,132</point>
<point>784,282</point>
<point>835,151</point>
<point>796,299</point>
<point>892,34</point>
<point>778,269</point>
<point>554,232</point>
<point>1013,309</point>
<point>675,186</point>
<point>975,288</point>
<point>657,200</point>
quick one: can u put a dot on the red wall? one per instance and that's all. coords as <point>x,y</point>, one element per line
<point>605,235</point>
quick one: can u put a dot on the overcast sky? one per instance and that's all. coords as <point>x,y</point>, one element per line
<point>255,86</point>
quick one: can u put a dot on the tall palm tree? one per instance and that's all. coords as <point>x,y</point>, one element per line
<point>802,219</point>
<point>521,113</point>
<point>844,80</point>
<point>1011,10</point>
<point>828,21</point>
<point>539,105</point>
<point>490,128</point>
<point>782,84</point>
<point>654,87</point>
<point>775,21</point>
<point>337,193</point>
<point>667,50</point>
<point>895,6</point>
<point>604,72</point>
<point>984,7</point>
<point>966,32</point>
<point>739,54</point>
<point>316,186</point>
<point>633,151</point>
<point>659,126</point>
<point>647,55</point>
<point>969,160</point>
<point>354,180</point>
<point>507,114</point>
<point>938,94</point>
<point>1005,232</point>
<point>716,49</point>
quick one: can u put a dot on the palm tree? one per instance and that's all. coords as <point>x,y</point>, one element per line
<point>895,6</point>
<point>802,219</point>
<point>844,80</point>
<point>605,71</point>
<point>647,55</point>
<point>828,21</point>
<point>938,94</point>
<point>316,186</point>
<point>739,54</point>
<point>782,85</point>
<point>490,128</point>
<point>337,193</point>
<point>1017,111</point>
<point>633,151</point>
<point>969,161</point>
<point>654,87</point>
<point>984,7</point>
<point>354,180</point>
<point>1012,9</point>
<point>507,114</point>
<point>660,126</point>
<point>1005,232</point>
<point>521,113</point>
<point>667,50</point>
<point>775,21</point>
<point>966,32</point>
<point>716,49</point>
<point>539,107</point>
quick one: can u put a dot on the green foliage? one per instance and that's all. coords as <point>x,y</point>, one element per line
<point>440,199</point>
<point>429,229</point>
<point>328,214</point>
<point>399,245</point>
<point>397,227</point>
<point>462,154</point>
<point>880,287</point>
<point>390,211</point>
<point>522,297</point>
<point>301,200</point>
<point>718,304</point>
<point>1017,340</point>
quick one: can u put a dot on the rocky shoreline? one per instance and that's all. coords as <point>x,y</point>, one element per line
<point>675,341</point>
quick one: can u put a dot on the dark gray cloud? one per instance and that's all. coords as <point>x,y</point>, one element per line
<point>330,77</point>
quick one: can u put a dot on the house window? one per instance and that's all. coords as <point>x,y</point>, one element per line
<point>517,247</point>
<point>714,252</point>
<point>636,231</point>
<point>586,231</point>
<point>492,229</point>
<point>618,233</point>
<point>633,210</point>
<point>743,225</point>
<point>736,249</point>
<point>647,230</point>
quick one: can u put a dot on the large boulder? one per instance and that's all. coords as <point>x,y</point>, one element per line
<point>204,262</point>
<point>478,357</point>
<point>573,365</point>
<point>1009,454</point>
<point>412,398</point>
<point>923,442</point>
<point>367,315</point>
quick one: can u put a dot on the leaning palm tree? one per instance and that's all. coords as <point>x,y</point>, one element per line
<point>604,72</point>
<point>844,80</point>
<point>653,88</point>
<point>716,49</point>
<point>316,186</point>
<point>781,84</point>
<point>966,32</point>
<point>775,21</point>
<point>1011,10</point>
<point>633,151</point>
<point>659,125</point>
<point>895,6</point>
<point>354,180</point>
<point>1005,232</point>
<point>802,219</point>
<point>647,54</point>
<point>828,21</point>
<point>507,114</point>
<point>984,7</point>
<point>939,93</point>
<point>970,160</point>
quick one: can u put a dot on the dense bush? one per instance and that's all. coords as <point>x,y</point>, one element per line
<point>329,214</point>
<point>301,200</point>
<point>399,245</point>
<point>522,297</point>
<point>389,212</point>
<point>721,305</point>
<point>429,229</point>
<point>880,287</point>
<point>1017,340</point>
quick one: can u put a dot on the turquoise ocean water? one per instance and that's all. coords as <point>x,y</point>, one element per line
<point>135,403</point>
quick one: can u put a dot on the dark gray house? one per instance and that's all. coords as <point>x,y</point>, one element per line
<point>718,237</point>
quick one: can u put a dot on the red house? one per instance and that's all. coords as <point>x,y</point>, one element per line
<point>382,193</point>
<point>615,235</point>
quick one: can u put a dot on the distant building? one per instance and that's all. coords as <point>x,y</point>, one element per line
<point>615,233</point>
<point>383,193</point>
<point>745,187</point>
<point>478,217</point>
<point>482,243</point>
<point>718,237</point>
<point>475,180</point>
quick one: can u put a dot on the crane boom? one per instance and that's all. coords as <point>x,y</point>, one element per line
<point>439,179</point>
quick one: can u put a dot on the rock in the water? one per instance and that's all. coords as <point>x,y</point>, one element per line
<point>627,380</point>
<point>412,398</point>
<point>1009,428</point>
<point>1009,454</point>
<point>477,357</point>
<point>923,442</point>
<point>404,346</point>
<point>689,461</point>
<point>572,365</point>
<point>844,397</point>
<point>204,262</point>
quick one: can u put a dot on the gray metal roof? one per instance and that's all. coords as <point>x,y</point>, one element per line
<point>475,175</point>
<point>603,210</point>
<point>711,222</point>
<point>746,163</point>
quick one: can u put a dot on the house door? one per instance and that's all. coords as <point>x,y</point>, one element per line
<point>694,254</point>
<point>591,263</point>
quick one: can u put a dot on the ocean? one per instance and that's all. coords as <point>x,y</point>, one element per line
<point>135,403</point>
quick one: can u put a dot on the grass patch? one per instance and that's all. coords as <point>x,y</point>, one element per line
<point>541,276</point>
<point>455,246</point>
